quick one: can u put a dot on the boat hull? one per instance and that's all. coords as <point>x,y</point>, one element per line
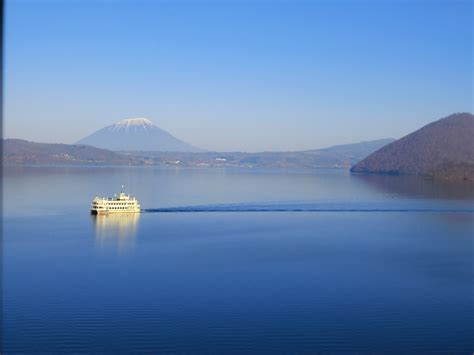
<point>95,212</point>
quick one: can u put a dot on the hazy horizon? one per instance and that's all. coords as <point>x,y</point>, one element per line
<point>236,76</point>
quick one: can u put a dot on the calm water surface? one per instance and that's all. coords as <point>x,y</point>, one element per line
<point>306,261</point>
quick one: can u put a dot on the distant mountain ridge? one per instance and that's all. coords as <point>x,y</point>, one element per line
<point>358,148</point>
<point>353,152</point>
<point>19,152</point>
<point>443,149</point>
<point>136,134</point>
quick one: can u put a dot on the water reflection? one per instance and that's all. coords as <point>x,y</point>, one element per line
<point>116,230</point>
<point>417,187</point>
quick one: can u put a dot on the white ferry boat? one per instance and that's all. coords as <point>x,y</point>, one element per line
<point>121,204</point>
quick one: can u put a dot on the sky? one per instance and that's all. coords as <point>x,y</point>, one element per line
<point>243,75</point>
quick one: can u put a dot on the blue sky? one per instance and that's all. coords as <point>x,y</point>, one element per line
<point>236,75</point>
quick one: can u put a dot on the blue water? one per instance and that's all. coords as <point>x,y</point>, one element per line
<point>307,261</point>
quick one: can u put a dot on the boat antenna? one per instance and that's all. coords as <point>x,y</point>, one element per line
<point>122,188</point>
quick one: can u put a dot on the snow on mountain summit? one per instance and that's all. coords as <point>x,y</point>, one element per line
<point>136,134</point>
<point>135,122</point>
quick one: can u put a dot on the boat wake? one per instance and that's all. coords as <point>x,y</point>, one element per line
<point>311,207</point>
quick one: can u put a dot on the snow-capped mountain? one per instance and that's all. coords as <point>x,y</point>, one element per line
<point>136,134</point>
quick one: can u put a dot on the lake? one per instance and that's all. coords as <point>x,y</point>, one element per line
<point>234,260</point>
